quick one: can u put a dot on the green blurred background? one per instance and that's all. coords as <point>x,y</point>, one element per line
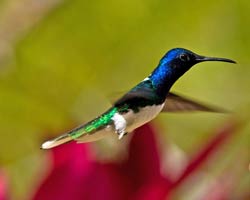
<point>61,59</point>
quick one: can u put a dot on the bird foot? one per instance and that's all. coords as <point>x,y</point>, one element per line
<point>121,134</point>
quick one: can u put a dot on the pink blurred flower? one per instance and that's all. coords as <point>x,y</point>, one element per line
<point>77,175</point>
<point>3,186</point>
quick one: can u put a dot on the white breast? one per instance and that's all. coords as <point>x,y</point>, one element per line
<point>135,120</point>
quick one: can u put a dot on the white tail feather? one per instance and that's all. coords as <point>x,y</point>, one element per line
<point>57,141</point>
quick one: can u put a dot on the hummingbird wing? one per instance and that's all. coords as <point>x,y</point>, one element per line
<point>177,103</point>
<point>141,95</point>
<point>174,102</point>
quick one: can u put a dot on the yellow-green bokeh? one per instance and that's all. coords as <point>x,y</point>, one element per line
<point>63,69</point>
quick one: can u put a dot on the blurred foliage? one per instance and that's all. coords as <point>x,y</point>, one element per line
<point>64,67</point>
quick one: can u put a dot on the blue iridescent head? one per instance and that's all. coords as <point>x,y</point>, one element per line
<point>181,60</point>
<point>174,64</point>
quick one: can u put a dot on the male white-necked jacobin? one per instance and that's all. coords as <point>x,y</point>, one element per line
<point>143,102</point>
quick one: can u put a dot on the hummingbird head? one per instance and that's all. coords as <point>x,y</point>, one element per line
<point>174,64</point>
<point>180,60</point>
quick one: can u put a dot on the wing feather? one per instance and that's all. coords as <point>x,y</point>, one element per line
<point>177,103</point>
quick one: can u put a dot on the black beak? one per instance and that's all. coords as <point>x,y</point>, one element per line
<point>204,58</point>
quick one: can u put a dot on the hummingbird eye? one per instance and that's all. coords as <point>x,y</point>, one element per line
<point>184,57</point>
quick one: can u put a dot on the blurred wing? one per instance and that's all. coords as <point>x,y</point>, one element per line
<point>176,103</point>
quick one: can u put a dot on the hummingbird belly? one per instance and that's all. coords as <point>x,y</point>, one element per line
<point>146,114</point>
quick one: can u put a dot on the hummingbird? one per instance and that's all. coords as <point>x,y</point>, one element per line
<point>143,102</point>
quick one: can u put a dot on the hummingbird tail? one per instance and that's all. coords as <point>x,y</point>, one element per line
<point>56,141</point>
<point>86,132</point>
